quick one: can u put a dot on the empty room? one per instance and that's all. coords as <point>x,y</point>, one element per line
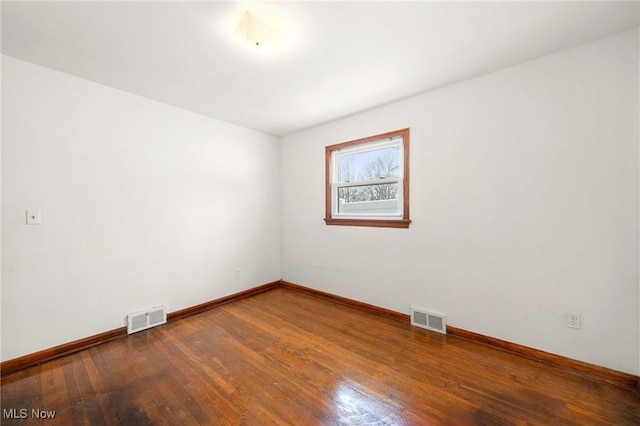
<point>320,213</point>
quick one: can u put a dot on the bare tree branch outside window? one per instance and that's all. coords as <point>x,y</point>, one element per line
<point>385,165</point>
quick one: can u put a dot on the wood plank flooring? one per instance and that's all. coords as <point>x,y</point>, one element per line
<point>286,357</point>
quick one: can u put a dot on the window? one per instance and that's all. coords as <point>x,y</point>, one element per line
<point>367,181</point>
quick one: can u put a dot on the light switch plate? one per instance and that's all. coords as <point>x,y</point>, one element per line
<point>34,217</point>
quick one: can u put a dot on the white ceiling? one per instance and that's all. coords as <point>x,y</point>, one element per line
<point>341,57</point>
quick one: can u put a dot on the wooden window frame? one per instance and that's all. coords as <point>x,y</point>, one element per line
<point>403,221</point>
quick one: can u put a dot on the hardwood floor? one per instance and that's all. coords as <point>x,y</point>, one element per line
<point>286,357</point>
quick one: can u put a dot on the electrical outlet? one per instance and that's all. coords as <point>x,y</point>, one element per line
<point>573,320</point>
<point>237,272</point>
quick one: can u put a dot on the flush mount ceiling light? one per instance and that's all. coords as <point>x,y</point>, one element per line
<point>257,35</point>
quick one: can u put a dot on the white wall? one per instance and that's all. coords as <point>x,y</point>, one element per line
<point>142,204</point>
<point>524,201</point>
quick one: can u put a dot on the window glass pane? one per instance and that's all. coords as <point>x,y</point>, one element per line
<point>375,164</point>
<point>368,199</point>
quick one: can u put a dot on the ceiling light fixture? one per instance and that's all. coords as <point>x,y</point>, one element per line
<point>257,34</point>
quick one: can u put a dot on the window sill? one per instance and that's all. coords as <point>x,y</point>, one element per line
<point>402,223</point>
